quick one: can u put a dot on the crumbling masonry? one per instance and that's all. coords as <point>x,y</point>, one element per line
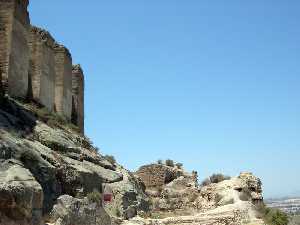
<point>14,50</point>
<point>34,67</point>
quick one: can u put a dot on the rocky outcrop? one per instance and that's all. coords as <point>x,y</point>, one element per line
<point>69,210</point>
<point>181,200</point>
<point>40,163</point>
<point>21,196</point>
<point>129,196</point>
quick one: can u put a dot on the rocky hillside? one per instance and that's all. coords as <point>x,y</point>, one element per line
<point>47,170</point>
<point>178,199</point>
<point>50,173</point>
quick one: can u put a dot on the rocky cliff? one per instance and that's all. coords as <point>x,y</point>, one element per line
<point>178,198</point>
<point>42,159</point>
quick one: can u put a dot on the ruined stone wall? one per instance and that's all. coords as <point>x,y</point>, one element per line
<point>63,81</point>
<point>34,66</point>
<point>78,97</point>
<point>42,67</point>
<point>152,175</point>
<point>14,50</point>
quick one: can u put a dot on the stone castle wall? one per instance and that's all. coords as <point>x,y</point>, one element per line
<point>42,67</point>
<point>35,67</point>
<point>14,50</point>
<point>63,81</point>
<point>78,97</point>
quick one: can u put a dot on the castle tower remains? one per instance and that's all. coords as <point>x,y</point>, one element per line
<point>14,50</point>
<point>63,81</point>
<point>78,97</point>
<point>42,67</point>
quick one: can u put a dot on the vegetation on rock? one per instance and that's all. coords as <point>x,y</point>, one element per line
<point>95,197</point>
<point>275,217</point>
<point>110,158</point>
<point>170,162</point>
<point>215,178</point>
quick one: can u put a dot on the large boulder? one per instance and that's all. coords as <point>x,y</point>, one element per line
<point>21,196</point>
<point>74,211</point>
<point>129,197</point>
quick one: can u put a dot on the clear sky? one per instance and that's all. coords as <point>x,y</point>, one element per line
<point>212,84</point>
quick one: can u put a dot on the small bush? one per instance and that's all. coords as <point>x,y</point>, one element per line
<point>206,182</point>
<point>110,159</point>
<point>95,197</point>
<point>275,217</point>
<point>160,162</point>
<point>170,162</point>
<point>217,178</point>
<point>179,165</point>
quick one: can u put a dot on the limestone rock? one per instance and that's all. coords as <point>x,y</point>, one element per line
<point>129,196</point>
<point>63,162</point>
<point>73,211</point>
<point>21,196</point>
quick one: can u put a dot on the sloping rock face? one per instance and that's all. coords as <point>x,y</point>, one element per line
<point>21,196</point>
<point>129,196</point>
<point>69,210</point>
<point>39,163</point>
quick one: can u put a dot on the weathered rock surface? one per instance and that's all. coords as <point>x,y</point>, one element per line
<point>222,216</point>
<point>52,161</point>
<point>129,196</point>
<point>74,211</point>
<point>21,196</point>
<point>182,201</point>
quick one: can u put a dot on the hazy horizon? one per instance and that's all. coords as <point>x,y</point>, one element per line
<point>214,86</point>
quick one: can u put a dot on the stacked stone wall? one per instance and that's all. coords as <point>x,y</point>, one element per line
<point>14,50</point>
<point>63,81</point>
<point>42,67</point>
<point>152,175</point>
<point>78,97</point>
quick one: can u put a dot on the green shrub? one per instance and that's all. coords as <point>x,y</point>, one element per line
<point>170,162</point>
<point>95,197</point>
<point>179,165</point>
<point>206,182</point>
<point>275,217</point>
<point>110,159</point>
<point>160,162</point>
<point>217,178</point>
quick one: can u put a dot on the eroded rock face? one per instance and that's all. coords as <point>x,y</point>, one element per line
<point>21,196</point>
<point>246,188</point>
<point>128,196</point>
<point>56,161</point>
<point>253,185</point>
<point>74,211</point>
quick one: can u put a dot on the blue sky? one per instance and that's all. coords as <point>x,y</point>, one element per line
<point>212,84</point>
